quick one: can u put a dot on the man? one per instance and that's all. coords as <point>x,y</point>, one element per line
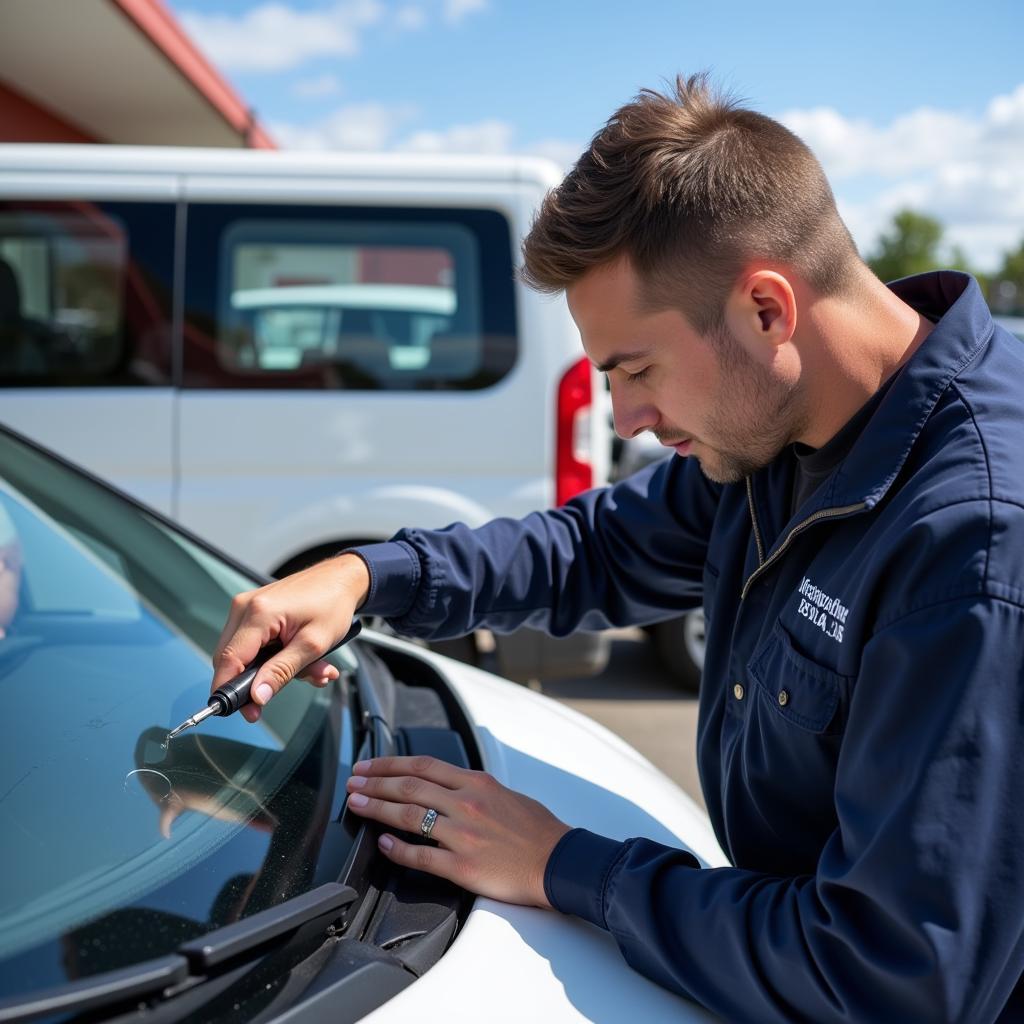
<point>850,511</point>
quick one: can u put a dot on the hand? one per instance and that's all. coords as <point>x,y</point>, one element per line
<point>491,840</point>
<point>308,612</point>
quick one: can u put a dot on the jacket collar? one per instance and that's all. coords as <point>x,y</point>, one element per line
<point>964,327</point>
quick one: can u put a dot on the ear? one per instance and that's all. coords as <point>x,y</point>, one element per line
<point>761,313</point>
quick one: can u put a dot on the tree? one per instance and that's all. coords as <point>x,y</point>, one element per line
<point>911,246</point>
<point>1006,292</point>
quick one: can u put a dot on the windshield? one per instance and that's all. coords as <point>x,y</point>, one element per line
<point>116,847</point>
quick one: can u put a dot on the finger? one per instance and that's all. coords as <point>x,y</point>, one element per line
<point>251,712</point>
<point>407,789</point>
<point>300,651</point>
<point>320,673</point>
<point>431,859</point>
<point>235,613</point>
<point>431,768</point>
<point>238,651</point>
<point>407,817</point>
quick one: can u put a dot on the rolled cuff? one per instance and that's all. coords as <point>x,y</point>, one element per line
<point>394,569</point>
<point>578,872</point>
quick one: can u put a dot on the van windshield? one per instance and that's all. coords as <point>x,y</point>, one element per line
<point>107,620</point>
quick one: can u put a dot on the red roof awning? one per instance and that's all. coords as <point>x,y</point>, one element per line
<point>121,71</point>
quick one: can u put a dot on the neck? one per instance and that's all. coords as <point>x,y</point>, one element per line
<point>854,344</point>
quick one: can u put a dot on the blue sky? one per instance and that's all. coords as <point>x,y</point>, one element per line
<point>906,103</point>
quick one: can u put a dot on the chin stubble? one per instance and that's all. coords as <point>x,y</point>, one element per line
<point>763,419</point>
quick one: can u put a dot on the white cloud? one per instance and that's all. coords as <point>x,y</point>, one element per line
<point>564,153</point>
<point>961,169</point>
<point>377,127</point>
<point>360,127</point>
<point>1003,128</point>
<point>456,10</point>
<point>481,137</point>
<point>323,85</point>
<point>275,37</point>
<point>410,18</point>
<point>982,209</point>
<point>851,147</point>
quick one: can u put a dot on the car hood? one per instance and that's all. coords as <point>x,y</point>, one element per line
<point>515,963</point>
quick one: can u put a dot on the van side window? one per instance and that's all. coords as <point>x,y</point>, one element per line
<point>347,298</point>
<point>85,294</point>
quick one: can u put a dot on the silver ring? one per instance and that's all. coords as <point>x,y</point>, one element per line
<point>427,824</point>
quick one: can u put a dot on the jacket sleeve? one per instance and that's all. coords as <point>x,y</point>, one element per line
<point>916,909</point>
<point>624,555</point>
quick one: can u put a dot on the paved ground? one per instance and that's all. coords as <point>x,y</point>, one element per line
<point>637,699</point>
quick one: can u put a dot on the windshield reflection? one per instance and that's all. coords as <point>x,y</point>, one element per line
<point>200,773</point>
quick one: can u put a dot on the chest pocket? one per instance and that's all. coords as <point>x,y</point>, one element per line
<point>781,758</point>
<point>800,692</point>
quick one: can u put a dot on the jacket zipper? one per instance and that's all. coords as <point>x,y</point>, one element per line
<point>762,565</point>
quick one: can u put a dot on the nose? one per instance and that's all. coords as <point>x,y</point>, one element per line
<point>630,416</point>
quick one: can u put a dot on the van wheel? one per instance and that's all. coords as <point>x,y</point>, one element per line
<point>680,646</point>
<point>307,558</point>
<point>461,648</point>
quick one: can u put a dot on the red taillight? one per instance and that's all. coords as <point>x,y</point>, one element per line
<point>573,471</point>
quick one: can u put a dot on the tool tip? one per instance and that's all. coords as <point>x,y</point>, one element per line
<point>178,729</point>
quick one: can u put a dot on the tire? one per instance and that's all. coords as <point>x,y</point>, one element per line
<point>680,647</point>
<point>307,558</point>
<point>461,648</point>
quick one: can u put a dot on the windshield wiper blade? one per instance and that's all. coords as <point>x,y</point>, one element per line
<point>195,959</point>
<point>215,948</point>
<point>146,979</point>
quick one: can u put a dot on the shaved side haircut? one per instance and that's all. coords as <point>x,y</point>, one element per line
<point>691,187</point>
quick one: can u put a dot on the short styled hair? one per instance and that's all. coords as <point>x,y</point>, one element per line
<point>691,187</point>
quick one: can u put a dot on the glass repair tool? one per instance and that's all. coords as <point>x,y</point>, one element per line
<point>233,694</point>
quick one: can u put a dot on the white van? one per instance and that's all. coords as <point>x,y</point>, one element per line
<point>291,353</point>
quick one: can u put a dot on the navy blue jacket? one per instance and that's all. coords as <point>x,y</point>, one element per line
<point>861,729</point>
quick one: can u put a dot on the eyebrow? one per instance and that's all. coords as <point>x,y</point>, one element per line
<point>623,357</point>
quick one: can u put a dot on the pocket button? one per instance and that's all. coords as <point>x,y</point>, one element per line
<point>783,698</point>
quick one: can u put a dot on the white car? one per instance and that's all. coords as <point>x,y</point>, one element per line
<point>219,877</point>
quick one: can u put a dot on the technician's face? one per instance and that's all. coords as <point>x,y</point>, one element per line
<point>702,396</point>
